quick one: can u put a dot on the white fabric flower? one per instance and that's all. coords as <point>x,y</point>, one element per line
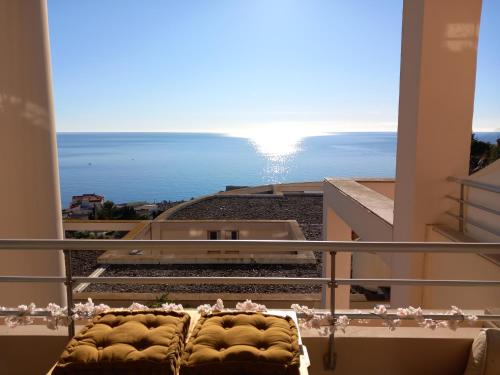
<point>88,310</point>
<point>250,306</point>
<point>380,310</point>
<point>137,306</point>
<point>172,307</point>
<point>342,322</point>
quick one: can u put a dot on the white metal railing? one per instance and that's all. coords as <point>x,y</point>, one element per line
<point>462,201</point>
<point>326,247</point>
<point>475,184</point>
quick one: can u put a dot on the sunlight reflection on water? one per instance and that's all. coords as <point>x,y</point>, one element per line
<point>276,169</point>
<point>279,151</point>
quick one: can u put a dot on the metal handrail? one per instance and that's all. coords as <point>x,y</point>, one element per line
<point>195,280</point>
<point>462,202</point>
<point>252,246</point>
<point>475,205</point>
<point>474,223</point>
<point>329,247</point>
<point>475,184</point>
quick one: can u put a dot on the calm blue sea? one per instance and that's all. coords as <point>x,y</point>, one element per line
<point>127,167</point>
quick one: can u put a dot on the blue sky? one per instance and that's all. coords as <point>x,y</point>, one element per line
<point>227,65</point>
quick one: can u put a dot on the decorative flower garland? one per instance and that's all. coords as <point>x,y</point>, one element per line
<point>248,306</point>
<point>323,321</point>
<point>58,316</point>
<point>84,311</point>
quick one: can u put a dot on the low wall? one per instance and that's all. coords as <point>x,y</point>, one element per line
<point>32,350</point>
<point>247,229</point>
<point>404,351</point>
<point>199,229</point>
<point>100,225</point>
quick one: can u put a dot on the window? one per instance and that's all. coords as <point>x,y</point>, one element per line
<point>232,235</point>
<point>213,235</point>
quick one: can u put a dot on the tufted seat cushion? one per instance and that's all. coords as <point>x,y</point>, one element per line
<point>242,344</point>
<point>127,342</point>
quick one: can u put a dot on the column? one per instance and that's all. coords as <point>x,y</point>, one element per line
<point>437,82</point>
<point>30,205</point>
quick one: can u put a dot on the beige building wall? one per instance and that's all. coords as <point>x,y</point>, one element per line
<point>386,187</point>
<point>371,266</point>
<point>459,267</point>
<point>29,191</point>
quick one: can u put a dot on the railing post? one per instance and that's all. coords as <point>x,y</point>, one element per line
<point>331,356</point>
<point>69,292</point>
<point>461,209</point>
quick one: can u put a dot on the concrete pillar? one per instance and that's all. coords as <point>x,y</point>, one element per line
<point>335,229</point>
<point>29,189</point>
<point>438,70</point>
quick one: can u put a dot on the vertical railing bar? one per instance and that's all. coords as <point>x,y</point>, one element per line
<point>69,291</point>
<point>324,273</point>
<point>331,356</point>
<point>461,209</point>
<point>333,282</point>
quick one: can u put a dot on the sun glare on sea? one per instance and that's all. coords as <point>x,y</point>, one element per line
<point>278,146</point>
<point>273,142</point>
<point>275,145</point>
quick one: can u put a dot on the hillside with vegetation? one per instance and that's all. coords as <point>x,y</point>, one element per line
<point>482,153</point>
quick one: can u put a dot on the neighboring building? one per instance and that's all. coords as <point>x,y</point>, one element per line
<point>148,210</point>
<point>87,201</point>
<point>82,206</point>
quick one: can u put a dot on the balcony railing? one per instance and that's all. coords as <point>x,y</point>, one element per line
<point>462,201</point>
<point>326,247</point>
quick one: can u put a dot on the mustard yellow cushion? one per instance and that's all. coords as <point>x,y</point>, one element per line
<point>127,342</point>
<point>242,344</point>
